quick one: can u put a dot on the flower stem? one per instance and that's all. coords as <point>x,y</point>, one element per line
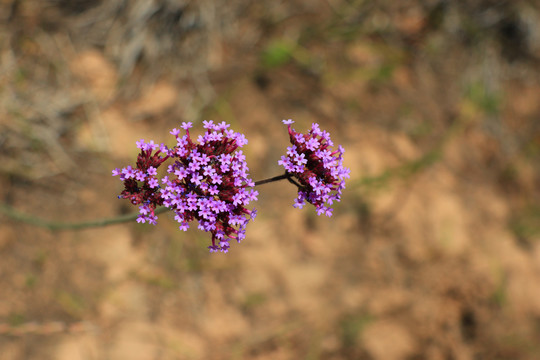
<point>54,225</point>
<point>287,176</point>
<point>272,179</point>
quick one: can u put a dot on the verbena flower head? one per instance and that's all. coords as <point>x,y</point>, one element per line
<point>316,166</point>
<point>208,182</point>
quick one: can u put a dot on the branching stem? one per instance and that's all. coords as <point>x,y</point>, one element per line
<point>287,176</point>
<point>272,179</point>
<point>56,225</point>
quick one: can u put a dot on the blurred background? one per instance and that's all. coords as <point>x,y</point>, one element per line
<point>433,253</point>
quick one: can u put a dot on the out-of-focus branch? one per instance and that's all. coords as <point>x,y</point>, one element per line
<point>55,225</point>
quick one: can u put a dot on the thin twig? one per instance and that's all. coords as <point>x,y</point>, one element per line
<point>292,181</point>
<point>272,179</point>
<point>55,225</point>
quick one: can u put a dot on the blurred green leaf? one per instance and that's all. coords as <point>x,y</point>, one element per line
<point>352,326</point>
<point>16,319</point>
<point>70,303</point>
<point>278,53</point>
<point>526,224</point>
<point>486,100</point>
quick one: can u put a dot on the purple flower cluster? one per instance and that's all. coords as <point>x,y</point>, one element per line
<point>208,182</point>
<point>317,167</point>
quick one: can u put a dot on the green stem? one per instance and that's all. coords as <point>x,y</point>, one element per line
<point>55,225</point>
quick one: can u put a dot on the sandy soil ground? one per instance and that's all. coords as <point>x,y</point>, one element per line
<point>433,253</point>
